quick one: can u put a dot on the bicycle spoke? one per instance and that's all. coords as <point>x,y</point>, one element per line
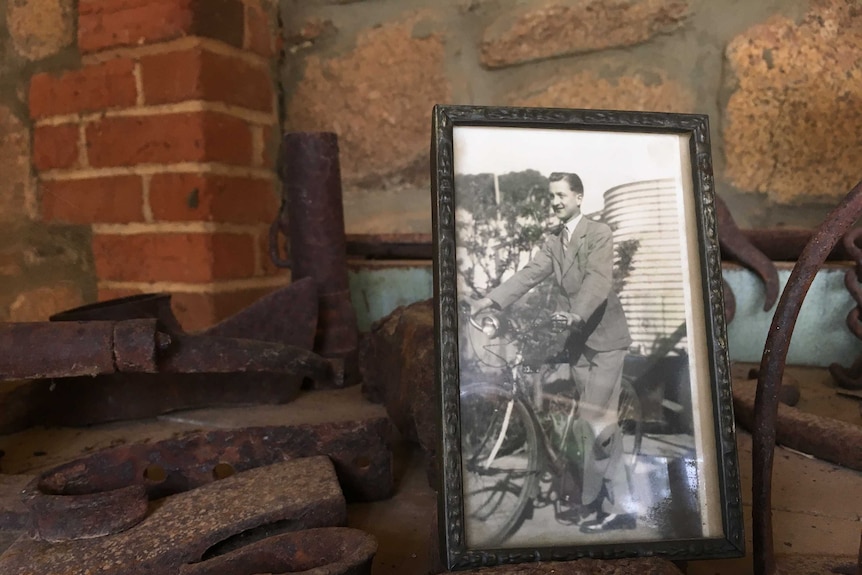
<point>500,463</point>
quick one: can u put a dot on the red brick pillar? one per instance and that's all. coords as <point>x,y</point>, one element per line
<point>164,142</point>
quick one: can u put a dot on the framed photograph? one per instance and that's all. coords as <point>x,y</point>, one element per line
<point>585,400</point>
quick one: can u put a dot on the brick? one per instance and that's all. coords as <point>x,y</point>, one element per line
<point>199,74</point>
<point>259,31</point>
<point>94,88</point>
<point>180,257</point>
<point>106,24</point>
<point>791,125</point>
<point>197,311</point>
<point>169,138</point>
<point>555,29</point>
<point>378,97</point>
<point>55,147</point>
<point>212,198</point>
<point>116,199</point>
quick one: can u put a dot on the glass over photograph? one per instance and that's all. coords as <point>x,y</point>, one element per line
<point>586,412</point>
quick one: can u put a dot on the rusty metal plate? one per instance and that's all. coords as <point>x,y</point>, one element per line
<point>184,528</point>
<point>107,492</point>
<point>323,551</point>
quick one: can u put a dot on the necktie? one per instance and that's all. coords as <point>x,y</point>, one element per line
<point>565,239</point>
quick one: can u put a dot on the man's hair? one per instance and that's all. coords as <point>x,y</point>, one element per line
<point>572,179</point>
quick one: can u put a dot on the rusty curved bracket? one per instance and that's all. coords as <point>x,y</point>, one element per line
<point>735,243</point>
<point>772,365</point>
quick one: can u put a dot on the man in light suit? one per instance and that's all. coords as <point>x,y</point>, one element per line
<point>580,258</point>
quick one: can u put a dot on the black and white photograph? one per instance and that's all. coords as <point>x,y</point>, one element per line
<point>586,396</point>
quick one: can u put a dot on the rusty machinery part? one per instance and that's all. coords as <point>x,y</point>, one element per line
<point>77,401</point>
<point>288,315</point>
<point>729,303</point>
<point>198,524</point>
<point>321,551</point>
<point>107,492</point>
<point>48,349</point>
<point>813,256</point>
<point>825,438</point>
<point>64,514</point>
<point>735,243</point>
<point>312,218</point>
<point>851,378</point>
<point>209,354</point>
<point>44,350</point>
<point>140,306</point>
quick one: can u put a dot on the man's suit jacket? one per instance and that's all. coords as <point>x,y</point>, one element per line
<point>584,278</point>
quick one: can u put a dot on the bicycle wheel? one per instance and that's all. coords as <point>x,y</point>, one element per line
<point>499,456</point>
<point>630,420</point>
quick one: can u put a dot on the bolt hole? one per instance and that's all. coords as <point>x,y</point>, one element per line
<point>222,471</point>
<point>362,462</point>
<point>155,473</point>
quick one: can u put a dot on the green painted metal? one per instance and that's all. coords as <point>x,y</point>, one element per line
<point>821,336</point>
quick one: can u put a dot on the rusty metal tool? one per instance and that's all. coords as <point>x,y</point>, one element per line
<point>736,244</point>
<point>312,217</point>
<point>220,372</point>
<point>187,527</point>
<point>68,349</point>
<point>321,551</point>
<point>45,349</point>
<point>108,491</point>
<point>825,438</point>
<point>822,242</point>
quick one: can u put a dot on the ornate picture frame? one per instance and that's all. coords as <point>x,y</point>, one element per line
<point>585,402</point>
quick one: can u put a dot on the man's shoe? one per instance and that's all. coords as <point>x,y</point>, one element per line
<point>609,523</point>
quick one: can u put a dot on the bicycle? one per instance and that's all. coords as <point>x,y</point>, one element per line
<point>520,434</point>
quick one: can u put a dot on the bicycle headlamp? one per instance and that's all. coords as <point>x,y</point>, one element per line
<point>490,326</point>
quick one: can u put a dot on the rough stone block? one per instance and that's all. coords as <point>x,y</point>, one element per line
<point>40,28</point>
<point>563,27</point>
<point>641,91</point>
<point>377,98</point>
<point>791,124</point>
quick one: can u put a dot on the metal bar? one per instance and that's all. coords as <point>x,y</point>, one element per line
<point>772,365</point>
<point>313,219</point>
<point>68,349</point>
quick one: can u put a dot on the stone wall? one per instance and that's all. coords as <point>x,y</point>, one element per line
<point>139,136</point>
<point>778,78</point>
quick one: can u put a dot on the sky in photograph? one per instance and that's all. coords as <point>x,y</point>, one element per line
<point>602,159</point>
